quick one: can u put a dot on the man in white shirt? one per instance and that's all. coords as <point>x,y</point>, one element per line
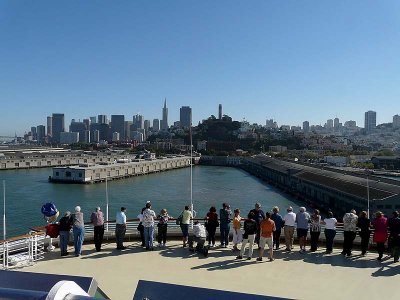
<point>199,236</point>
<point>289,220</point>
<point>120,228</point>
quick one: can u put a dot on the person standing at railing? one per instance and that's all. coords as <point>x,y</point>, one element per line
<point>394,227</point>
<point>315,229</point>
<point>162,225</point>
<point>97,219</point>
<point>364,224</point>
<point>302,220</point>
<point>277,218</point>
<point>224,224</point>
<point>120,228</point>
<point>185,217</point>
<point>289,222</point>
<point>258,217</point>
<point>330,231</point>
<point>78,229</point>
<point>267,228</point>
<point>237,232</point>
<point>380,225</point>
<point>148,224</point>
<point>140,227</point>
<point>349,231</point>
<point>250,230</point>
<point>392,224</point>
<point>65,228</point>
<point>211,225</point>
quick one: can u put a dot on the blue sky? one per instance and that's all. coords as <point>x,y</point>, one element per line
<point>287,60</point>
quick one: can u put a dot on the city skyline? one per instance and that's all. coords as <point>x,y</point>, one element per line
<point>287,61</point>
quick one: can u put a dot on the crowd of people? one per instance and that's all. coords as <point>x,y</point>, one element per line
<point>257,229</point>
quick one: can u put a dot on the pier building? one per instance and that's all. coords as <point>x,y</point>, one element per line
<point>326,189</point>
<point>92,173</point>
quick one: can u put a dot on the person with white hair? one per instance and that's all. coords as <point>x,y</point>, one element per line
<point>97,219</point>
<point>78,229</point>
<point>289,221</point>
<point>349,231</point>
<point>302,220</point>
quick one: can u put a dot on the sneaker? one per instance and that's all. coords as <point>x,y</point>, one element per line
<point>239,257</point>
<point>259,258</point>
<point>249,258</point>
<point>271,259</point>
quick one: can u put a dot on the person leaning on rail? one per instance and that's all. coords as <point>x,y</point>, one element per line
<point>350,220</point>
<point>97,219</point>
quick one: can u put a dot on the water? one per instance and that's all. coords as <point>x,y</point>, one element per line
<point>28,190</point>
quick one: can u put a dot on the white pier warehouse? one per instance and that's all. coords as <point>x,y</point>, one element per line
<point>92,173</point>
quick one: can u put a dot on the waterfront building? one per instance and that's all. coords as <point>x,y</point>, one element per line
<point>164,121</point>
<point>370,121</point>
<point>68,138</point>
<point>185,116</point>
<point>396,121</point>
<point>81,128</point>
<point>41,133</point>
<point>58,126</point>
<point>306,126</point>
<point>156,125</point>
<point>117,125</point>
<point>49,126</point>
<point>220,112</point>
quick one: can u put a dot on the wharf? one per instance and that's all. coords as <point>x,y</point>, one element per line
<point>93,173</point>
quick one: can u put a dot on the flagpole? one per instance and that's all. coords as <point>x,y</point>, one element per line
<point>4,209</point>
<point>191,170</point>
<point>106,204</point>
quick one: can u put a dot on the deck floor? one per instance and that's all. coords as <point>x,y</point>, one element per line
<point>291,275</point>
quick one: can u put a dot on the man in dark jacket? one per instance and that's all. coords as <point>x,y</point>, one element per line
<point>65,228</point>
<point>258,216</point>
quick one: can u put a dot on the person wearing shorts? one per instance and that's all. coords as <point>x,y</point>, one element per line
<point>267,228</point>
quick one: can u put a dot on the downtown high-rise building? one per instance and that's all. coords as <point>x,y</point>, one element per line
<point>118,125</point>
<point>33,133</point>
<point>156,124</point>
<point>41,133</point>
<point>220,112</point>
<point>164,121</point>
<point>81,128</point>
<point>306,126</point>
<point>147,126</point>
<point>396,121</point>
<point>370,121</point>
<point>58,126</point>
<point>49,127</point>
<point>102,119</point>
<point>138,122</point>
<point>185,116</point>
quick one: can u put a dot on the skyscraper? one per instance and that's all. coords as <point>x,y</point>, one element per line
<point>370,121</point>
<point>164,121</point>
<point>57,125</point>
<point>102,119</point>
<point>118,125</point>
<point>306,126</point>
<point>49,128</point>
<point>156,125</point>
<point>33,133</point>
<point>81,128</point>
<point>396,121</point>
<point>220,112</point>
<point>185,116</point>
<point>41,133</point>
<point>329,124</point>
<point>147,126</point>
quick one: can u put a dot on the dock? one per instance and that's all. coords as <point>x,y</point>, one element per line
<point>123,168</point>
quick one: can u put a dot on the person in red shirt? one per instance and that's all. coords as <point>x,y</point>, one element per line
<point>267,228</point>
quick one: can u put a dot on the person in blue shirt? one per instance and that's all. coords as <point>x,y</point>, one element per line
<point>277,218</point>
